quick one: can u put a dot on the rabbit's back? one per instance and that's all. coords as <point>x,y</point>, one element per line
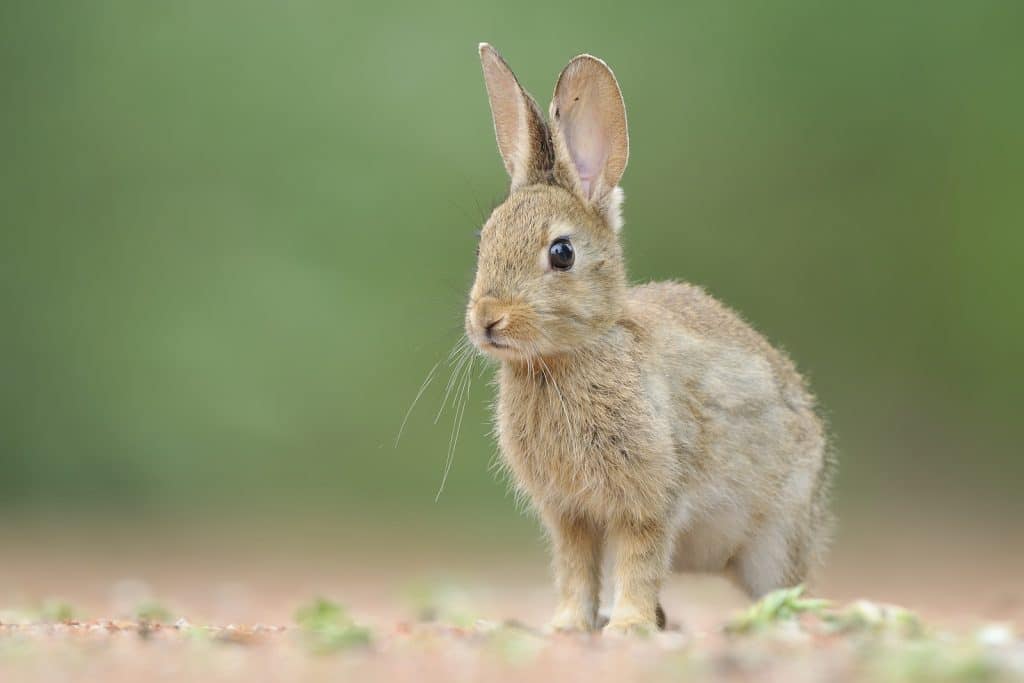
<point>761,452</point>
<point>746,396</point>
<point>712,322</point>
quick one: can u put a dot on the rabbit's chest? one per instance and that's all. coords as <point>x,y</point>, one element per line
<point>585,448</point>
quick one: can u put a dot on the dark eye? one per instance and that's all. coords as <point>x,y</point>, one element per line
<point>561,254</point>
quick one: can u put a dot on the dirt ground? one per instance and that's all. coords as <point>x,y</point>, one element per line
<point>198,604</point>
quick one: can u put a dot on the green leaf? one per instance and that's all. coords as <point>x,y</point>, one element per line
<point>327,627</point>
<point>56,610</point>
<point>778,606</point>
<point>153,612</point>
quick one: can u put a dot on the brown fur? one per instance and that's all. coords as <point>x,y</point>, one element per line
<point>650,416</point>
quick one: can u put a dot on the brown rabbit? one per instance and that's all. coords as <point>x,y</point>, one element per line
<point>651,416</point>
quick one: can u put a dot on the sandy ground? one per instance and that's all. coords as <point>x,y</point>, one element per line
<point>463,609</point>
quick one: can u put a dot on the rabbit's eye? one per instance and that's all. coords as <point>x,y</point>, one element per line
<point>561,254</point>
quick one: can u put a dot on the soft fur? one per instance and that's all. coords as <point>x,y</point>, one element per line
<point>651,416</point>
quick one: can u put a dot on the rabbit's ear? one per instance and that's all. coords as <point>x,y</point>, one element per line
<point>523,138</point>
<point>590,134</point>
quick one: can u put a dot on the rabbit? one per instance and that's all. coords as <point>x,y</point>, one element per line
<point>650,418</point>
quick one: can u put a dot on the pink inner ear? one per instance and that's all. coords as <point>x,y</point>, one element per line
<point>591,120</point>
<point>583,137</point>
<point>585,183</point>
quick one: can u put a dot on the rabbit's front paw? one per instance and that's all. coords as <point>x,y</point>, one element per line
<point>629,626</point>
<point>568,619</point>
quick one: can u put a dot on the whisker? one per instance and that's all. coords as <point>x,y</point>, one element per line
<point>461,399</point>
<point>423,387</point>
<point>483,370</point>
<point>464,354</point>
<point>459,346</point>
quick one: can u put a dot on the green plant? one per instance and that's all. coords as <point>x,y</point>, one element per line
<point>153,612</point>
<point>56,610</point>
<point>327,627</point>
<point>778,606</point>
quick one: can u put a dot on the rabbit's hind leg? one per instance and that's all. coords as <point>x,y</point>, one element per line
<point>776,556</point>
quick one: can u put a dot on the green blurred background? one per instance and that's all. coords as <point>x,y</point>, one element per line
<point>237,235</point>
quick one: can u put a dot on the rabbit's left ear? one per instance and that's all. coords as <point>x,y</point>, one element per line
<point>523,138</point>
<point>589,130</point>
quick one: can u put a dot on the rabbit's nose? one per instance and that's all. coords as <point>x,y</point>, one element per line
<point>490,316</point>
<point>499,323</point>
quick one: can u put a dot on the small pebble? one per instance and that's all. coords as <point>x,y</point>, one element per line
<point>995,635</point>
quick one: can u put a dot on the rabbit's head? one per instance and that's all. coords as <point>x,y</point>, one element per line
<point>550,274</point>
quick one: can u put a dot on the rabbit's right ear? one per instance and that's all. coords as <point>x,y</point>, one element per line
<point>591,138</point>
<point>523,138</point>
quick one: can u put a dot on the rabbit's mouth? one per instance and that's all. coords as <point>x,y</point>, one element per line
<point>497,347</point>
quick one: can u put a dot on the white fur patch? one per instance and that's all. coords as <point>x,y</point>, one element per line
<point>738,378</point>
<point>614,211</point>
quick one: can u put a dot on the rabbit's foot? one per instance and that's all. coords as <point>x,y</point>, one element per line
<point>572,619</point>
<point>621,627</point>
